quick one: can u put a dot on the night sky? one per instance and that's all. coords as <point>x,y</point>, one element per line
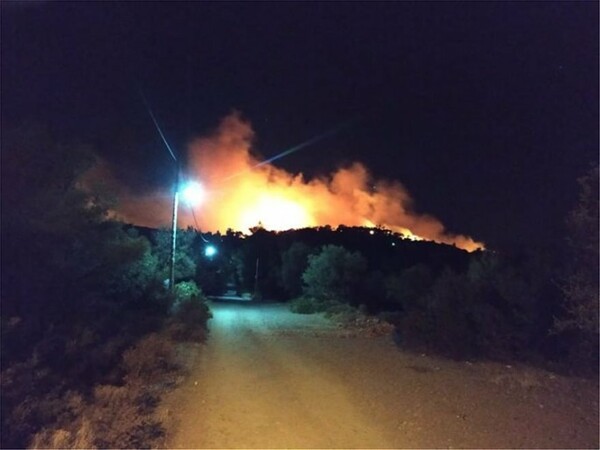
<point>486,112</point>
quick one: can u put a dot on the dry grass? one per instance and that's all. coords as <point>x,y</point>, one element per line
<point>82,437</point>
<point>117,416</point>
<point>149,359</point>
<point>97,393</point>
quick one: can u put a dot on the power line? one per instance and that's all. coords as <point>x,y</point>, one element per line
<point>164,139</point>
<point>294,149</point>
<point>157,125</point>
<point>197,226</point>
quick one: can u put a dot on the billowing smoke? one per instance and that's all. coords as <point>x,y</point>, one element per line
<point>240,195</point>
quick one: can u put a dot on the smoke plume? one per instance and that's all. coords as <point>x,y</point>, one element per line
<point>240,195</point>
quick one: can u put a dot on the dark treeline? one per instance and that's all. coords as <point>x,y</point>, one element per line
<point>282,257</point>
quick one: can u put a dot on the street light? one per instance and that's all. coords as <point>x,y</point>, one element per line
<point>193,194</point>
<point>210,251</point>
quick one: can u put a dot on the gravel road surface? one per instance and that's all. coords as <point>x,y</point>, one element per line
<point>268,378</point>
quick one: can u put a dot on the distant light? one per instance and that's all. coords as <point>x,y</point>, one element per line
<point>193,193</point>
<point>372,232</point>
<point>393,244</point>
<point>210,251</point>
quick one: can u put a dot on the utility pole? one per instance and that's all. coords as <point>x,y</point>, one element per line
<point>256,277</point>
<point>174,232</point>
<point>188,193</point>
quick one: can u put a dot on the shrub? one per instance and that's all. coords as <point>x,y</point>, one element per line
<point>185,267</point>
<point>117,421</point>
<point>134,280</point>
<point>151,357</point>
<point>293,264</point>
<point>448,308</point>
<point>579,320</point>
<point>186,291</point>
<point>342,311</point>
<point>190,313</point>
<point>70,431</point>
<point>504,308</point>
<point>191,327</point>
<point>410,287</point>
<point>115,416</point>
<point>334,274</point>
<point>311,305</point>
<point>496,309</point>
<point>305,305</point>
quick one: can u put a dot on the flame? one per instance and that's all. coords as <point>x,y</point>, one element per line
<point>409,234</point>
<point>241,195</point>
<point>275,212</point>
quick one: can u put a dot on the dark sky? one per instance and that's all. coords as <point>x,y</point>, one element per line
<point>487,112</point>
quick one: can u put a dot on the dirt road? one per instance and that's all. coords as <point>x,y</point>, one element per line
<point>268,378</point>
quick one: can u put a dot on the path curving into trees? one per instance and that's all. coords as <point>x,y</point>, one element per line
<point>269,378</point>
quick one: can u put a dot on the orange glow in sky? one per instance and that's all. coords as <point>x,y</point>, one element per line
<point>240,196</point>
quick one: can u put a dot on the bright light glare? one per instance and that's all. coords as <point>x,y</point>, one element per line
<point>193,193</point>
<point>210,251</point>
<point>275,212</point>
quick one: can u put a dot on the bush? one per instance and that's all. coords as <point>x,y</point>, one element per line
<point>334,274</point>
<point>185,267</point>
<point>293,264</point>
<point>449,305</point>
<point>150,358</point>
<point>311,305</point>
<point>112,419</point>
<point>115,416</point>
<point>410,287</point>
<point>306,305</point>
<point>579,320</point>
<point>60,438</point>
<point>498,309</point>
<point>342,311</point>
<point>186,291</point>
<point>505,309</point>
<point>116,419</point>
<point>190,313</point>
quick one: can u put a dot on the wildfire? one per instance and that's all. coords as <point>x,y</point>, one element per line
<point>241,195</point>
<point>275,212</point>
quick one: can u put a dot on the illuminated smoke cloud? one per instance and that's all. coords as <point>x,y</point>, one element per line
<point>152,209</point>
<point>240,196</point>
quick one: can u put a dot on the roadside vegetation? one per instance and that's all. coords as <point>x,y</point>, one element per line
<point>538,305</point>
<point>89,329</point>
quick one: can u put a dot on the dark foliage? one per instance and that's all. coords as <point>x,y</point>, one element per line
<point>484,304</point>
<point>271,264</point>
<point>189,313</point>
<point>78,289</point>
<point>334,274</point>
<point>294,261</point>
<point>578,321</point>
